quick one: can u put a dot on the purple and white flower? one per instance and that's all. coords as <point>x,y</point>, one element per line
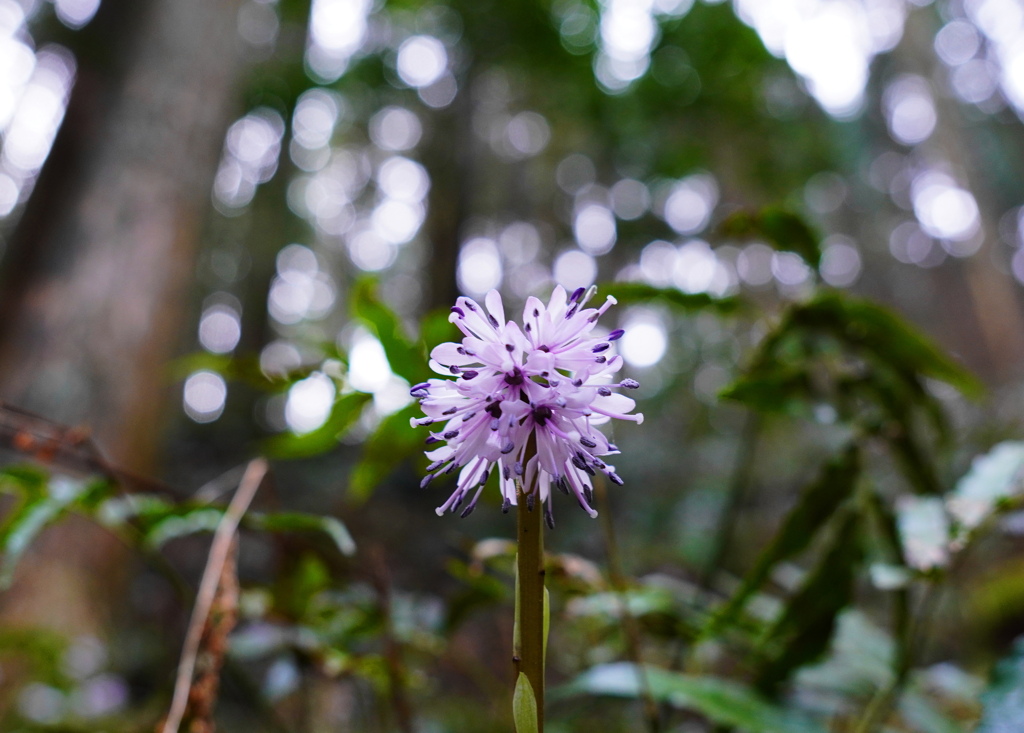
<point>526,401</point>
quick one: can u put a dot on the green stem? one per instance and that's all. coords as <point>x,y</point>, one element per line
<point>528,655</point>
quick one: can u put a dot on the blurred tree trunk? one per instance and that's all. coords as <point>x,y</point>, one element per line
<point>98,270</point>
<point>987,333</point>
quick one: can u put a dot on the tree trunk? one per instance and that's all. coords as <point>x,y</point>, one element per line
<point>99,267</point>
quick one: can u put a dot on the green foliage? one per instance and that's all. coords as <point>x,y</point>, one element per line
<point>1003,700</point>
<point>818,504</point>
<point>392,442</point>
<point>345,411</point>
<point>404,357</point>
<point>630,293</point>
<point>159,521</point>
<point>524,706</point>
<point>783,230</point>
<point>722,702</point>
<point>43,502</point>
<point>802,632</point>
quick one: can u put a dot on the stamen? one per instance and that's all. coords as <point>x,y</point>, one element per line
<point>451,434</point>
<point>587,442</point>
<point>616,334</point>
<point>615,479</point>
<point>505,506</point>
<point>629,384</point>
<point>604,391</point>
<point>549,517</point>
<point>601,347</point>
<point>458,311</point>
<point>470,374</point>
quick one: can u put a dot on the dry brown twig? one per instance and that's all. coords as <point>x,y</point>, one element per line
<point>218,565</point>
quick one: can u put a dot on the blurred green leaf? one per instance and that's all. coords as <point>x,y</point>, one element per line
<point>181,522</point>
<point>345,411</point>
<point>721,701</point>
<point>884,337</point>
<point>633,293</point>
<point>524,706</point>
<point>37,510</point>
<point>435,328</point>
<point>330,527</point>
<point>480,590</point>
<point>160,521</point>
<point>802,632</point>
<point>1003,699</point>
<point>820,500</point>
<point>783,230</point>
<point>23,478</point>
<point>404,357</point>
<point>787,390</point>
<point>392,442</point>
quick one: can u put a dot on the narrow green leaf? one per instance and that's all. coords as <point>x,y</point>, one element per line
<point>344,414</point>
<point>632,293</point>
<point>1003,700</point>
<point>820,500</point>
<point>802,632</point>
<point>722,702</point>
<point>36,512</point>
<point>181,522</point>
<point>331,527</point>
<point>404,358</point>
<point>524,706</point>
<point>391,443</point>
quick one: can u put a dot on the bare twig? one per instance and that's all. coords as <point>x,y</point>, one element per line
<point>219,551</point>
<point>67,448</point>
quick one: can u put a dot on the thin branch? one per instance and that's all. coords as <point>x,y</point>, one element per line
<point>219,550</point>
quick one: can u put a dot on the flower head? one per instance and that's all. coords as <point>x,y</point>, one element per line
<point>524,400</point>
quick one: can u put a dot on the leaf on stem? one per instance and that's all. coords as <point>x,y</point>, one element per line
<point>524,706</point>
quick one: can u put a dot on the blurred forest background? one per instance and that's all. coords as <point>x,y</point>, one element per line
<point>234,227</point>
